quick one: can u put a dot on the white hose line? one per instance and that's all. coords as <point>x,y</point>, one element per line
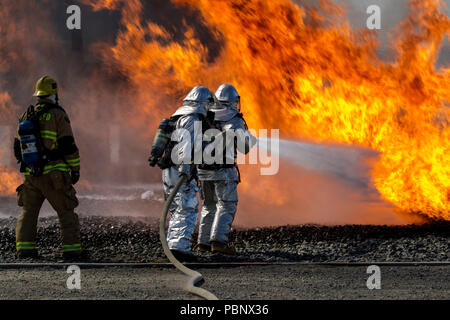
<point>194,276</point>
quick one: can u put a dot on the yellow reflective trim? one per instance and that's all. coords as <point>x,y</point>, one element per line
<point>45,116</point>
<point>47,169</point>
<point>25,245</point>
<point>60,167</point>
<point>71,250</point>
<point>78,245</point>
<point>74,160</point>
<point>53,133</point>
<point>45,134</point>
<point>72,247</point>
<point>75,165</point>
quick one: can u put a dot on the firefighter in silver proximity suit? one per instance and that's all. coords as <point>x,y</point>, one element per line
<point>219,181</point>
<point>184,208</point>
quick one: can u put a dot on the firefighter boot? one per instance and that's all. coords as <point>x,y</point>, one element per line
<point>200,247</point>
<point>25,254</point>
<point>224,248</point>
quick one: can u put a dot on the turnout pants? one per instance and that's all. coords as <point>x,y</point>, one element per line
<point>183,211</point>
<point>219,209</point>
<point>57,188</point>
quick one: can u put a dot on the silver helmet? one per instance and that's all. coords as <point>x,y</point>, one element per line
<point>227,93</point>
<point>199,94</point>
<point>228,100</point>
<point>199,100</point>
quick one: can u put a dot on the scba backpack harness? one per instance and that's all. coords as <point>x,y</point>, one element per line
<point>161,152</point>
<point>33,154</point>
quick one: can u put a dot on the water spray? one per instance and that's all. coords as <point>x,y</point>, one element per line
<point>340,161</point>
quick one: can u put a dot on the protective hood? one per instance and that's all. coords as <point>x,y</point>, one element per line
<point>225,114</point>
<point>225,111</point>
<point>191,108</point>
<point>53,99</point>
<point>197,101</point>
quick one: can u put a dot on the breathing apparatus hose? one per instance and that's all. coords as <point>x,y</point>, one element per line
<point>194,277</point>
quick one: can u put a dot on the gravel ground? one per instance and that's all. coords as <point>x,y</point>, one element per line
<point>124,239</point>
<point>242,283</point>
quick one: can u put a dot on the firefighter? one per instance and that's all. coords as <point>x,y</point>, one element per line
<point>184,208</point>
<point>53,176</point>
<point>219,180</point>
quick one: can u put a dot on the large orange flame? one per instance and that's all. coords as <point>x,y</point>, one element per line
<point>314,78</point>
<point>300,69</point>
<point>9,179</point>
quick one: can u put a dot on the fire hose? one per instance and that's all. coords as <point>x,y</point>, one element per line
<point>195,278</point>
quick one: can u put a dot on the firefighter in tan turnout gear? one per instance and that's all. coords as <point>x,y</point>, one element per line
<point>45,147</point>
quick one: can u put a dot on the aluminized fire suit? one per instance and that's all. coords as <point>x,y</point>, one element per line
<point>219,183</point>
<point>184,208</point>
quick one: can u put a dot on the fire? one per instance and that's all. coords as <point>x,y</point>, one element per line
<point>10,180</point>
<point>299,68</point>
<point>314,78</point>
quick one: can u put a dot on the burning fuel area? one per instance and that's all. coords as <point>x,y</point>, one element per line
<point>363,159</point>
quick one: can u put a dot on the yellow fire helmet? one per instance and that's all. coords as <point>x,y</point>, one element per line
<point>46,86</point>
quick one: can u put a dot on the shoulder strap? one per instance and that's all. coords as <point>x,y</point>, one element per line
<point>30,112</point>
<point>50,106</point>
<point>34,115</point>
<point>241,115</point>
